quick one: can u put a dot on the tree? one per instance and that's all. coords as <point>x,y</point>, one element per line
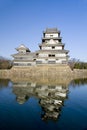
<point>5,64</point>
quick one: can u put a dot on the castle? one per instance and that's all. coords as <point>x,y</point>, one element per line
<point>51,51</point>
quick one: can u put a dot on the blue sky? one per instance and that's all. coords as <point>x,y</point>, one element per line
<point>23,21</point>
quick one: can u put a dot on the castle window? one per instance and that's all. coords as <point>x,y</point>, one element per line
<point>29,64</point>
<point>51,55</point>
<point>59,40</point>
<point>51,35</point>
<point>27,51</point>
<point>51,62</point>
<point>16,64</point>
<point>38,62</point>
<point>53,47</point>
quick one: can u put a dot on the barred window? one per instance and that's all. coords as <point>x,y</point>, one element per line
<point>51,62</point>
<point>38,62</point>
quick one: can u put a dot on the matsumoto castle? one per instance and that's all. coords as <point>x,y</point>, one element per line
<point>51,51</point>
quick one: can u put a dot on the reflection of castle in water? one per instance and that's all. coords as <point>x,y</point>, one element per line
<point>51,98</point>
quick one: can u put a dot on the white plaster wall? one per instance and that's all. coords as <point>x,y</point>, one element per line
<point>61,55</point>
<point>50,48</point>
<point>23,58</point>
<point>45,61</point>
<point>51,35</point>
<point>51,59</point>
<point>25,63</point>
<point>22,62</point>
<point>51,41</point>
<point>43,55</point>
<point>58,48</point>
<point>46,48</point>
<point>60,60</point>
<point>22,51</point>
<point>33,63</point>
<point>57,41</point>
<point>40,60</point>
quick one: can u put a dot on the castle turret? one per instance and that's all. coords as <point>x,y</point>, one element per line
<point>22,49</point>
<point>52,49</point>
<point>24,57</point>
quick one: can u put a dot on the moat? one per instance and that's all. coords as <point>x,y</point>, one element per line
<point>43,105</point>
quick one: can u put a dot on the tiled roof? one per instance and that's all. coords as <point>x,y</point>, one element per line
<point>22,46</point>
<point>51,30</point>
<point>50,45</point>
<point>23,55</point>
<point>52,51</point>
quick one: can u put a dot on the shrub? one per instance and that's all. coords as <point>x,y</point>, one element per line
<point>5,64</point>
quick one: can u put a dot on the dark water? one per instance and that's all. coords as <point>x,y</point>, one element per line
<point>31,106</point>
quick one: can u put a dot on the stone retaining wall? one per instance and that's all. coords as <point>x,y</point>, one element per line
<point>50,71</point>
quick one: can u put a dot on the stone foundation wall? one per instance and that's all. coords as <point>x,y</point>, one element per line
<point>49,71</point>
